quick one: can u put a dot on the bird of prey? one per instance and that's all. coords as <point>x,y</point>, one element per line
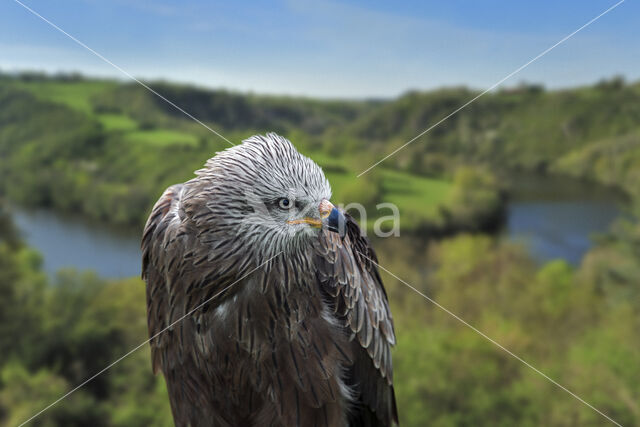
<point>264,302</point>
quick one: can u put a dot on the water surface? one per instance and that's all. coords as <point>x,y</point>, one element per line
<point>71,242</point>
<point>557,217</point>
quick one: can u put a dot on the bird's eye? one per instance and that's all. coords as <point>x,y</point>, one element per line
<point>284,203</point>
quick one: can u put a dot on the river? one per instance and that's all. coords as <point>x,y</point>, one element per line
<point>555,217</point>
<point>73,243</point>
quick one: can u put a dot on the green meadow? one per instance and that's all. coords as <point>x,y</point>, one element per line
<point>161,137</point>
<point>73,94</point>
<point>117,122</point>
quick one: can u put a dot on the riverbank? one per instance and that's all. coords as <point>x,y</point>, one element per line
<point>555,218</point>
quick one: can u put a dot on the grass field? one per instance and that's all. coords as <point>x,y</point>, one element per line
<point>117,122</point>
<point>76,95</point>
<point>162,137</point>
<point>415,196</point>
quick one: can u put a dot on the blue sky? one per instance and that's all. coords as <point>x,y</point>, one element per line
<point>323,48</point>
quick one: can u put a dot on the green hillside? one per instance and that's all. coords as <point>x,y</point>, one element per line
<point>523,128</point>
<point>125,145</point>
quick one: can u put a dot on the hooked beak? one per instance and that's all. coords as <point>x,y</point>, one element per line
<point>330,218</point>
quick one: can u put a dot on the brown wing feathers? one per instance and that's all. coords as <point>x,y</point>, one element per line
<point>354,289</point>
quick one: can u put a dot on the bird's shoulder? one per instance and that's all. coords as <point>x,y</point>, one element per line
<point>163,214</point>
<point>348,275</point>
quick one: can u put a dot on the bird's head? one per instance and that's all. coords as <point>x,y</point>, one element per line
<point>268,196</point>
